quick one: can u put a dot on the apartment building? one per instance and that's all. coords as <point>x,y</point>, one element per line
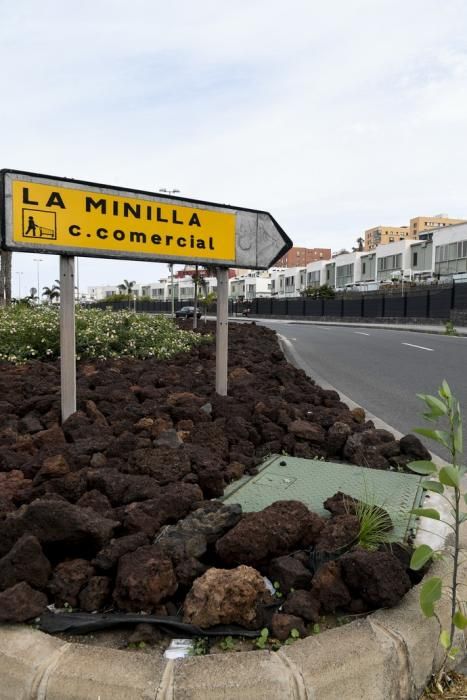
<point>300,257</point>
<point>419,224</point>
<point>382,235</point>
<point>250,285</point>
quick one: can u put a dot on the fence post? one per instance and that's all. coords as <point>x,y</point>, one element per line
<point>362,306</point>
<point>322,306</point>
<point>383,305</point>
<point>453,295</point>
<point>342,306</point>
<point>405,305</point>
<point>428,299</point>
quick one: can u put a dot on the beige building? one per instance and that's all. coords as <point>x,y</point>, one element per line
<point>380,235</point>
<point>427,223</point>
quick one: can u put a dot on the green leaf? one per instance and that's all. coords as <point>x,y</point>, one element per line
<point>458,439</point>
<point>449,476</point>
<point>460,620</point>
<point>445,390</point>
<point>422,466</point>
<point>433,486</point>
<point>445,639</point>
<point>426,513</point>
<point>430,593</point>
<point>421,555</point>
<point>440,436</point>
<point>437,406</point>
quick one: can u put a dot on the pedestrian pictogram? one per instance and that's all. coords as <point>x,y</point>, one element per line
<point>39,224</point>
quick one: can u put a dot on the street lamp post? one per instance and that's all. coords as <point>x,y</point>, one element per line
<point>172,289</point>
<point>19,284</point>
<point>38,261</point>
<point>171,266</point>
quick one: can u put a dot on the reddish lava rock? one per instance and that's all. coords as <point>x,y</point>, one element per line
<point>329,588</point>
<point>144,578</point>
<point>225,596</point>
<point>289,573</point>
<point>150,442</point>
<point>25,562</point>
<point>69,578</point>
<point>378,577</point>
<point>21,603</point>
<point>282,625</point>
<point>338,534</point>
<point>303,604</point>
<point>276,530</point>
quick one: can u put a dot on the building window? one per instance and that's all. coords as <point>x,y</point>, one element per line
<point>414,259</point>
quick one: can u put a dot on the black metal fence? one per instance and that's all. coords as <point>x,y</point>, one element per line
<point>422,303</point>
<point>427,303</point>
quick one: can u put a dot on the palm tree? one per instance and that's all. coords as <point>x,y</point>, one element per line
<point>52,293</point>
<point>360,242</point>
<point>126,288</point>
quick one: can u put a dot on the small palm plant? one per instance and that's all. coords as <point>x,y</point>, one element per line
<point>52,293</point>
<point>126,288</point>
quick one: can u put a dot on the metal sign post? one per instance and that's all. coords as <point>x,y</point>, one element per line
<point>222,330</point>
<point>67,335</point>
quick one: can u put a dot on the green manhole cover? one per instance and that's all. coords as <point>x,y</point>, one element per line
<point>312,482</point>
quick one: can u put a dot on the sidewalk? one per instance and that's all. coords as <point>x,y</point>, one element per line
<point>418,328</point>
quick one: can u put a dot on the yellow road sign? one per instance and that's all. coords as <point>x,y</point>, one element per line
<point>50,215</point>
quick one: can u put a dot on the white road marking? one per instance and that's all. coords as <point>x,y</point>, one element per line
<point>420,347</point>
<point>360,333</point>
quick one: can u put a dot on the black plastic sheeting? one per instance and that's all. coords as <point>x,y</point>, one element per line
<point>82,623</point>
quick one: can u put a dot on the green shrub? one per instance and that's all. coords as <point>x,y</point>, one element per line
<point>34,333</point>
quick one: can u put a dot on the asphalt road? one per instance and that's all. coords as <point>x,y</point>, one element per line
<point>383,370</point>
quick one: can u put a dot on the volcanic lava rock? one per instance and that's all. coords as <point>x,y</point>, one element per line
<point>276,530</point>
<point>21,603</point>
<point>311,432</point>
<point>173,502</point>
<point>412,446</point>
<point>289,573</point>
<point>25,562</point>
<point>329,588</point>
<point>97,501</point>
<point>96,594</point>
<point>337,437</point>
<point>303,604</point>
<point>145,577</point>
<point>122,488</point>
<point>69,578</point>
<point>225,596</point>
<point>56,521</point>
<point>377,577</point>
<point>283,624</point>
<point>108,557</point>
<point>338,534</point>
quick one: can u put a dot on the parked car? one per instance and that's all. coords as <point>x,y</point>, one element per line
<point>187,312</point>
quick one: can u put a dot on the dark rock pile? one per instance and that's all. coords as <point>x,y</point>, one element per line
<point>113,507</point>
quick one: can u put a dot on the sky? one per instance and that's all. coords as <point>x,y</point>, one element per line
<point>334,117</point>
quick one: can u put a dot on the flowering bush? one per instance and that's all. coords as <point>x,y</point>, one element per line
<point>34,333</point>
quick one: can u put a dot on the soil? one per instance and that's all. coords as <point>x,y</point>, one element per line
<point>117,507</point>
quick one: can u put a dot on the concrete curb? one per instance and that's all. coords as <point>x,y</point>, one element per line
<point>390,655</point>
